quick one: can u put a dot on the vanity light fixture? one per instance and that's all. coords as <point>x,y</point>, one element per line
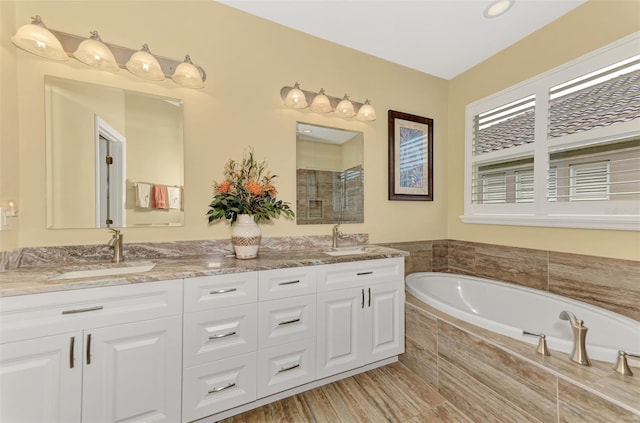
<point>298,98</point>
<point>497,8</point>
<point>143,64</point>
<point>37,39</point>
<point>94,52</point>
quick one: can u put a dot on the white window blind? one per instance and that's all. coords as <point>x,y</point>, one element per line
<point>577,167</point>
<point>589,181</point>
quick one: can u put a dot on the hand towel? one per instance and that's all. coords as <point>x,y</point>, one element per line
<point>160,197</point>
<point>143,195</point>
<point>175,199</point>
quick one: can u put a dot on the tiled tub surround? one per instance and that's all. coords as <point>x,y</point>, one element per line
<point>491,377</point>
<point>612,284</point>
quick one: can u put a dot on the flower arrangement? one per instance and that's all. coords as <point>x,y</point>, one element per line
<point>247,188</point>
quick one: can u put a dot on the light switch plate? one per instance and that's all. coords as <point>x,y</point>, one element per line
<point>5,221</point>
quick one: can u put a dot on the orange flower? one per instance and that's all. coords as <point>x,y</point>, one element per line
<point>271,190</point>
<point>224,186</point>
<point>254,188</point>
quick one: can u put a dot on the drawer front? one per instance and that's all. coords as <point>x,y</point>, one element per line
<point>282,283</point>
<point>214,334</point>
<point>215,387</point>
<point>207,292</point>
<point>286,320</point>
<point>359,273</point>
<point>35,315</point>
<point>286,366</point>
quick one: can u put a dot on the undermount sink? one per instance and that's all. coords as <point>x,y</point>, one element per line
<point>348,251</point>
<point>106,271</point>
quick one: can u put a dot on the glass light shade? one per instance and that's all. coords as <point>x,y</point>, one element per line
<point>37,39</point>
<point>345,108</point>
<point>188,75</point>
<point>366,113</point>
<point>94,52</point>
<point>321,103</point>
<point>295,98</point>
<point>143,64</point>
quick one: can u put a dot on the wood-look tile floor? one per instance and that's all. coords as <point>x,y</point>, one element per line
<point>387,394</point>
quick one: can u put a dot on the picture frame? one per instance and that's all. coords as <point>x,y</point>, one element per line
<point>410,157</point>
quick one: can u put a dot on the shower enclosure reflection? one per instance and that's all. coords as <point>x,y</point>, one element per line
<point>329,175</point>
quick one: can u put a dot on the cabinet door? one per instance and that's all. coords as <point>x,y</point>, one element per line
<point>132,372</point>
<point>385,306</point>
<point>41,379</point>
<point>341,315</point>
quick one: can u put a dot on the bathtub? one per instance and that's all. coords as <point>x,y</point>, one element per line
<point>509,309</point>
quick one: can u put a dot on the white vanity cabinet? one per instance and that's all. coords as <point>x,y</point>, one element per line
<point>95,355</point>
<point>360,314</point>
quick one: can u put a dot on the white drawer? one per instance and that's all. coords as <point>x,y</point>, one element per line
<point>358,273</point>
<point>286,320</point>
<point>34,315</point>
<point>214,334</point>
<point>286,366</point>
<point>207,292</point>
<point>289,282</point>
<point>215,387</point>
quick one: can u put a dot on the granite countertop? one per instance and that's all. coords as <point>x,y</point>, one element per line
<point>38,279</point>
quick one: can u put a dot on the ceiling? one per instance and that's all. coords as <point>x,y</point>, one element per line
<point>439,37</point>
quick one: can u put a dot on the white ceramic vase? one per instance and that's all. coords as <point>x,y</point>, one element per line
<point>245,237</point>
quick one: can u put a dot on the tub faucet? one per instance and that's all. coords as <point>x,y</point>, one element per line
<point>579,353</point>
<point>116,243</point>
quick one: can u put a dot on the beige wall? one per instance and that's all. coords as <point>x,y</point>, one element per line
<point>587,28</point>
<point>247,61</point>
<point>9,164</point>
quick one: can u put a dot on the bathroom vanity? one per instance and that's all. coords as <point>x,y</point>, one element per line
<point>205,344</point>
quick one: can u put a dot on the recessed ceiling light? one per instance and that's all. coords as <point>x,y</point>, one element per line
<point>497,8</point>
<point>307,131</point>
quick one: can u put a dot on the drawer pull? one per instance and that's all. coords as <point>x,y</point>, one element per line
<point>286,369</point>
<point>222,335</point>
<point>82,310</point>
<point>369,302</point>
<point>72,347</point>
<point>289,283</point>
<point>223,291</point>
<point>288,322</point>
<point>222,388</point>
<point>362,303</point>
<point>364,273</point>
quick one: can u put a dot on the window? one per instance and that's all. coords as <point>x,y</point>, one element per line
<point>561,149</point>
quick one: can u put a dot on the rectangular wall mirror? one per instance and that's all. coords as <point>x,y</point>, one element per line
<point>114,157</point>
<point>329,175</point>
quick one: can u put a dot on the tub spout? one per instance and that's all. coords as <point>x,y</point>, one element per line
<point>579,353</point>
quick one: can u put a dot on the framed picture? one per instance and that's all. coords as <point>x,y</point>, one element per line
<point>410,157</point>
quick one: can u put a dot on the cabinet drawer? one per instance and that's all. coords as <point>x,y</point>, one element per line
<point>286,366</point>
<point>35,315</point>
<point>213,334</point>
<point>358,273</point>
<point>207,292</point>
<point>282,283</point>
<point>215,387</point>
<point>286,320</point>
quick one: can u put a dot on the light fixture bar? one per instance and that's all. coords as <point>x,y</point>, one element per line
<point>70,43</point>
<point>309,96</point>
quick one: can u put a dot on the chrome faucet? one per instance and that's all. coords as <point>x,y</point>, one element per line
<point>336,235</point>
<point>116,243</point>
<point>579,353</point>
